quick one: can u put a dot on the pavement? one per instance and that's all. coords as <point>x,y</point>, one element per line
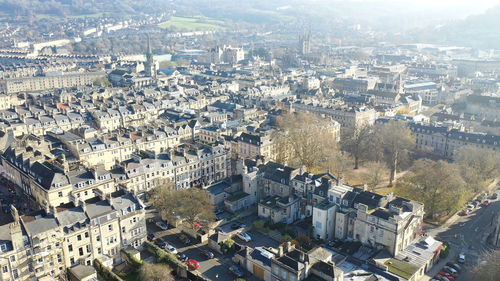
<point>468,235</point>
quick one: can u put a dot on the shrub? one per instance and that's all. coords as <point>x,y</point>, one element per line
<point>105,273</point>
<point>445,251</point>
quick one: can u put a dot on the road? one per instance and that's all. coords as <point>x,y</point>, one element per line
<point>467,235</point>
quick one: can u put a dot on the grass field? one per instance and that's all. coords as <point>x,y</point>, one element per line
<point>192,24</point>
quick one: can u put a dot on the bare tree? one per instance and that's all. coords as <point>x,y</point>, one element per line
<point>357,141</point>
<point>155,272</point>
<point>376,174</point>
<point>189,205</point>
<point>396,142</point>
<point>304,139</point>
<point>477,165</point>
<point>437,184</point>
<point>487,269</point>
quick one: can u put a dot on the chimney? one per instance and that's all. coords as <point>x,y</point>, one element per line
<point>280,251</point>
<point>301,257</point>
<point>288,246</point>
<point>53,210</point>
<point>14,213</point>
<point>83,204</point>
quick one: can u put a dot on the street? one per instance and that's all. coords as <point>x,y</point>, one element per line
<point>467,235</point>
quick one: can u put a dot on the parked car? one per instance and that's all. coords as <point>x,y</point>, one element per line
<point>184,239</point>
<point>162,244</point>
<point>162,225</point>
<point>193,264</point>
<point>244,236</point>
<point>235,226</point>
<point>236,271</point>
<point>486,203</point>
<point>171,249</point>
<point>454,266</point>
<point>182,257</point>
<point>465,212</point>
<point>471,207</point>
<point>451,271</point>
<point>445,274</point>
<point>461,258</point>
<point>207,254</point>
<point>151,236</point>
<point>494,196</point>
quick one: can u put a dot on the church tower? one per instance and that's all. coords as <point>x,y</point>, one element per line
<point>149,65</point>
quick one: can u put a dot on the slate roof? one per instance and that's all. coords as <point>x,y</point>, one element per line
<point>71,216</point>
<point>41,225</point>
<point>276,172</point>
<point>98,209</point>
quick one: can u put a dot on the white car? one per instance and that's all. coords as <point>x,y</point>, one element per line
<point>461,258</point>
<point>244,236</point>
<point>171,249</point>
<point>162,225</point>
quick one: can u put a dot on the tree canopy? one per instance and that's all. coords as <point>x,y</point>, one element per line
<point>192,205</point>
<point>437,184</point>
<point>305,139</point>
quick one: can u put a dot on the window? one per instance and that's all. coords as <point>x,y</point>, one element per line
<point>283,274</point>
<point>80,251</point>
<point>15,273</point>
<point>98,238</point>
<point>276,270</point>
<point>5,269</point>
<point>70,248</point>
<point>88,248</point>
<point>79,237</point>
<point>12,258</point>
<point>319,225</point>
<point>60,194</point>
<point>292,278</point>
<point>123,229</point>
<point>28,252</point>
<point>72,261</point>
<point>86,235</point>
<point>110,227</point>
<point>99,251</point>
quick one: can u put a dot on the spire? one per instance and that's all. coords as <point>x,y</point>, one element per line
<point>149,45</point>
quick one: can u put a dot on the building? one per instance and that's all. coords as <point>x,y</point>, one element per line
<point>445,140</point>
<point>46,244</point>
<point>347,117</point>
<point>49,81</point>
<point>280,209</point>
<point>254,145</point>
<point>323,220</point>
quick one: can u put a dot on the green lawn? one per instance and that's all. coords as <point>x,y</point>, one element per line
<point>192,24</point>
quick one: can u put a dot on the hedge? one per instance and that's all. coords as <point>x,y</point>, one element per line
<point>132,260</point>
<point>163,256</point>
<point>105,273</point>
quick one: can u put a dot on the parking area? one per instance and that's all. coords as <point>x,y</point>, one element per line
<point>213,269</point>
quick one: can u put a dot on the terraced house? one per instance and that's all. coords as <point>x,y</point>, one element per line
<point>43,245</point>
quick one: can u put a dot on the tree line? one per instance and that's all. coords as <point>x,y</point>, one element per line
<point>443,185</point>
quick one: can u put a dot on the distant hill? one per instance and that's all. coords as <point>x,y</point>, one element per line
<point>480,31</point>
<point>69,8</point>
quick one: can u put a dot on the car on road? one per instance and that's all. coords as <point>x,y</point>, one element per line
<point>486,203</point>
<point>162,244</point>
<point>235,226</point>
<point>162,225</point>
<point>494,196</point>
<point>193,264</point>
<point>182,257</point>
<point>470,207</point>
<point>151,236</point>
<point>461,258</point>
<point>171,249</point>
<point>236,271</point>
<point>244,236</point>
<point>207,254</point>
